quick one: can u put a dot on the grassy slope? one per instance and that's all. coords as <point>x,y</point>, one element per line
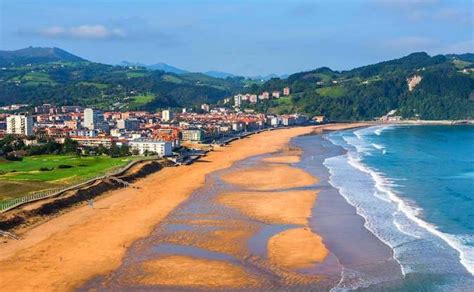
<point>27,177</point>
<point>98,85</point>
<point>141,100</point>
<point>331,91</point>
<point>136,74</point>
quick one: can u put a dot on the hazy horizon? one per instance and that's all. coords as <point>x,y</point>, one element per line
<point>241,37</point>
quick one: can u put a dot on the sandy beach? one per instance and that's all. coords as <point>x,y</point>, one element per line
<point>67,251</point>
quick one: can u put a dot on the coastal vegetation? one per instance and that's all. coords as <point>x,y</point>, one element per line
<point>47,164</point>
<point>38,172</point>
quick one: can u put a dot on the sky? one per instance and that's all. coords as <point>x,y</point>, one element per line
<point>243,37</point>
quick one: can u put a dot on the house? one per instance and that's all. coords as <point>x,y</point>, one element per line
<point>144,146</point>
<point>194,135</point>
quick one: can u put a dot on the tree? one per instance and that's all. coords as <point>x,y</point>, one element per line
<point>70,146</point>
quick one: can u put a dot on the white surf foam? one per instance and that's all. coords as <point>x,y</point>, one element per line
<point>379,129</point>
<point>378,146</point>
<point>412,212</point>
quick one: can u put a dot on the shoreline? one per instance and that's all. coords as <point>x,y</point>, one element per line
<point>427,122</point>
<point>102,235</point>
<point>336,220</point>
<point>356,180</point>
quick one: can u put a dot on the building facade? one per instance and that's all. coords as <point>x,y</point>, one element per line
<point>128,124</point>
<point>93,119</point>
<point>20,125</point>
<point>193,135</point>
<point>161,148</point>
<point>166,115</point>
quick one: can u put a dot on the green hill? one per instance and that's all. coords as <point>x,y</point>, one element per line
<point>371,91</point>
<point>51,75</point>
<point>33,55</point>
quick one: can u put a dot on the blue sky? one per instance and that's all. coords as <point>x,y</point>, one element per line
<point>243,37</point>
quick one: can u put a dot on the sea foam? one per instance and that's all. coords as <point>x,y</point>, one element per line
<point>386,193</point>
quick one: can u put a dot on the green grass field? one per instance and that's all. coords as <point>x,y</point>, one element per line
<point>37,78</point>
<point>141,100</point>
<point>98,85</point>
<point>331,91</point>
<point>283,106</point>
<point>171,78</point>
<point>18,178</point>
<point>136,74</point>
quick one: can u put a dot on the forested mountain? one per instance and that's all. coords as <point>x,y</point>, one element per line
<point>34,55</point>
<point>418,85</point>
<point>50,75</point>
<point>441,89</point>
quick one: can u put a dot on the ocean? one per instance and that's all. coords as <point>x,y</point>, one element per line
<point>394,206</point>
<point>414,187</point>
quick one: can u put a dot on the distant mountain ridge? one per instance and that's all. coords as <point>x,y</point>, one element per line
<point>158,66</point>
<point>213,73</point>
<point>36,55</point>
<point>50,75</point>
<point>443,89</point>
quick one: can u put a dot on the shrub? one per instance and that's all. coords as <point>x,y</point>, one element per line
<point>46,169</point>
<point>65,166</point>
<point>14,158</point>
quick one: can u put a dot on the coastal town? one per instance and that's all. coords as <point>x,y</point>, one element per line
<point>167,133</point>
<point>213,145</point>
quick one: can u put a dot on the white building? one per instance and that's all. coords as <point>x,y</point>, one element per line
<point>253,98</point>
<point>238,100</point>
<point>275,121</point>
<point>129,124</point>
<point>93,119</point>
<point>161,148</point>
<point>205,107</point>
<point>166,115</point>
<point>20,125</point>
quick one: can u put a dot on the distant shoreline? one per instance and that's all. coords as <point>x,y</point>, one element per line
<point>427,122</point>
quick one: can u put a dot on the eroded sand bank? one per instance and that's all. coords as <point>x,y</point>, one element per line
<point>290,207</point>
<point>270,177</point>
<point>296,248</point>
<point>193,273</point>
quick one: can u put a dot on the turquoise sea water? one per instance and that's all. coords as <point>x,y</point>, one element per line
<point>414,185</point>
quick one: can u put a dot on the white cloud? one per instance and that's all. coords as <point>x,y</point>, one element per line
<point>406,4</point>
<point>52,31</point>
<point>82,32</point>
<point>412,43</point>
<point>427,10</point>
<point>456,48</point>
<point>432,46</point>
<point>455,15</point>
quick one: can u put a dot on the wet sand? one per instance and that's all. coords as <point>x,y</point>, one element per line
<point>292,207</point>
<point>270,176</point>
<point>67,251</point>
<point>191,272</point>
<point>296,248</point>
<point>264,233</point>
<point>283,159</point>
